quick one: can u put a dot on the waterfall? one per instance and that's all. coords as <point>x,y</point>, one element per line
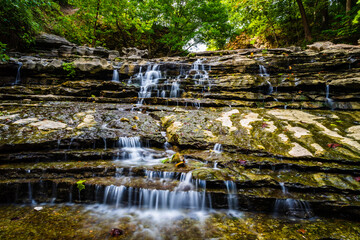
<point>218,148</point>
<point>154,199</point>
<point>18,79</point>
<point>263,73</point>
<point>148,81</point>
<point>115,77</point>
<point>131,147</point>
<point>200,75</point>
<point>232,195</point>
<point>133,152</point>
<point>175,90</point>
<point>30,193</point>
<point>291,207</point>
<point>160,175</point>
<point>328,100</point>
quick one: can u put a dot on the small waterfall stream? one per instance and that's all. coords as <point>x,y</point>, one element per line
<point>263,73</point>
<point>148,81</point>
<point>18,77</point>
<point>292,207</point>
<point>184,196</point>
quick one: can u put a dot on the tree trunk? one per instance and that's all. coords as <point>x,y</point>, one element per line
<point>96,20</point>
<point>348,7</point>
<point>325,15</point>
<point>307,31</point>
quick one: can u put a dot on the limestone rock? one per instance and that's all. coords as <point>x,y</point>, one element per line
<point>319,46</point>
<point>25,121</point>
<point>93,65</point>
<point>10,117</point>
<point>48,125</point>
<point>299,151</point>
<point>101,52</point>
<point>49,41</point>
<point>135,53</point>
<point>88,122</point>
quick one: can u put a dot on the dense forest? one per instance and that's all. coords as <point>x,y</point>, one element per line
<point>170,27</point>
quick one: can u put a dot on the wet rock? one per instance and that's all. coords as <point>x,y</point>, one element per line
<point>115,232</point>
<point>299,151</point>
<point>177,158</point>
<point>10,117</point>
<point>124,120</point>
<point>25,121</point>
<point>88,122</point>
<point>48,125</point>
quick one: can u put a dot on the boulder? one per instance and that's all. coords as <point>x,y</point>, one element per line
<point>65,51</point>
<point>135,53</point>
<point>88,122</point>
<point>101,52</point>
<point>26,121</point>
<point>48,125</point>
<point>113,54</point>
<point>319,46</point>
<point>50,41</point>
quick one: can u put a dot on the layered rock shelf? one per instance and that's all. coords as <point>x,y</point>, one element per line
<point>274,131</point>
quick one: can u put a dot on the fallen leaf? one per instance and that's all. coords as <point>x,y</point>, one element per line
<point>334,145</point>
<point>302,231</point>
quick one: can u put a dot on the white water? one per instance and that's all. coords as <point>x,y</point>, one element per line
<point>115,76</point>
<point>175,90</point>
<point>131,152</point>
<point>184,196</point>
<point>291,207</point>
<point>200,75</point>
<point>263,73</point>
<point>329,102</point>
<point>232,195</point>
<point>218,148</point>
<point>18,78</point>
<point>148,81</point>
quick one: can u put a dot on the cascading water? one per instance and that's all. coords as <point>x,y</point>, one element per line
<point>232,195</point>
<point>131,152</point>
<point>175,90</point>
<point>292,207</point>
<point>200,75</point>
<point>148,81</point>
<point>185,196</point>
<point>263,73</point>
<point>18,78</point>
<point>115,77</point>
<point>218,148</point>
<point>328,101</point>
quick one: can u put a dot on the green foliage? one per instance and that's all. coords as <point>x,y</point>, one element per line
<point>279,23</point>
<point>70,69</point>
<point>80,185</point>
<point>21,20</point>
<point>3,56</point>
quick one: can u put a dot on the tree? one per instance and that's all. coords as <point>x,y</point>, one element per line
<point>348,6</point>
<point>305,22</point>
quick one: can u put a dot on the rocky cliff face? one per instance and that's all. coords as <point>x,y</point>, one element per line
<point>279,118</point>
